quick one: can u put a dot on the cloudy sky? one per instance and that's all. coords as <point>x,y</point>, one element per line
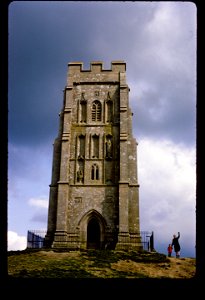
<point>157,40</point>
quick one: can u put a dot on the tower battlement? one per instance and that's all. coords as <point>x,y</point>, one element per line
<point>96,73</point>
<point>97,66</point>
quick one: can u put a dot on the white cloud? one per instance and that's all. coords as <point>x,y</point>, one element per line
<point>40,202</point>
<point>167,178</point>
<point>172,23</point>
<point>16,242</point>
<point>163,17</point>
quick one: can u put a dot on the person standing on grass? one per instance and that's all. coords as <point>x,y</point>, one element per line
<point>175,243</point>
<point>169,250</point>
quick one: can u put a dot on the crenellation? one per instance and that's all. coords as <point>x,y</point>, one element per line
<point>75,67</point>
<point>118,66</point>
<point>96,66</point>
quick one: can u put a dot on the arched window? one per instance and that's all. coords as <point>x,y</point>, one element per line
<point>96,111</point>
<point>95,172</point>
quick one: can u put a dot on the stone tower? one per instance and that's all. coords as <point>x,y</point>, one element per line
<point>94,193</point>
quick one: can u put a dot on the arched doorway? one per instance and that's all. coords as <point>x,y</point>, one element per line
<point>93,234</point>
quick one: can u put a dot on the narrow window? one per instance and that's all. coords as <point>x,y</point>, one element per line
<point>95,139</point>
<point>95,172</point>
<point>83,108</point>
<point>96,111</point>
<point>82,146</point>
<point>109,111</point>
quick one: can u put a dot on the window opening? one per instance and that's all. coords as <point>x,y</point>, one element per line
<point>95,146</point>
<point>96,111</point>
<point>95,172</point>
<point>109,111</point>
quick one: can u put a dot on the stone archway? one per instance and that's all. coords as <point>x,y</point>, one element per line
<point>92,230</point>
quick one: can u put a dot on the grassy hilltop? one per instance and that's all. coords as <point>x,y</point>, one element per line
<point>32,263</point>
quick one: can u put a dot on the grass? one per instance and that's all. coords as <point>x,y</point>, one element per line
<point>32,263</point>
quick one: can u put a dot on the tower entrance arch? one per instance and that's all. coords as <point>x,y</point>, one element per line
<point>92,228</point>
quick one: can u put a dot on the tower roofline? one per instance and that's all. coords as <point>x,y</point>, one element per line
<point>116,66</point>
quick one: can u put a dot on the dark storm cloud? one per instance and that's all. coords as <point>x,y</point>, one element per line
<point>42,39</point>
<point>45,36</point>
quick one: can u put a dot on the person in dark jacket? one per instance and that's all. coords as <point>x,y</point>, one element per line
<point>176,245</point>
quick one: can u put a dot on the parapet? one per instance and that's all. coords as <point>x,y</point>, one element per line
<point>97,66</point>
